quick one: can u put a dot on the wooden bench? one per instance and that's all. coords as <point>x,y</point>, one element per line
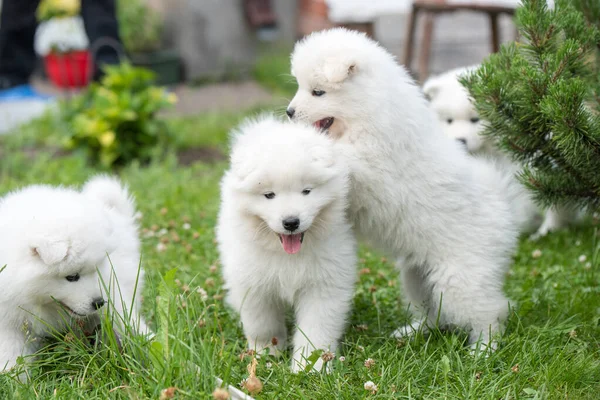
<point>314,15</point>
<point>431,8</point>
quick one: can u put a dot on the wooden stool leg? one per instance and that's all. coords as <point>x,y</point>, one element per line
<point>426,47</point>
<point>370,30</point>
<point>495,32</point>
<point>410,37</point>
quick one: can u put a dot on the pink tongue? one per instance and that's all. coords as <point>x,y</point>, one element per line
<point>291,243</point>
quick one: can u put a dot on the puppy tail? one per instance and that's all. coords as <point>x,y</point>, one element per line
<point>112,193</point>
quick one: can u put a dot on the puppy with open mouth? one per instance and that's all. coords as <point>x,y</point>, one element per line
<point>284,239</point>
<point>415,193</point>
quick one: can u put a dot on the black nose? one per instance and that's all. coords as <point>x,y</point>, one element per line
<point>291,223</point>
<point>290,112</point>
<point>462,141</point>
<point>97,303</point>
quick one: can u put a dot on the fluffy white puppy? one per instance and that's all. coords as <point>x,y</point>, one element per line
<point>53,242</point>
<point>457,115</point>
<point>414,192</point>
<point>460,121</point>
<point>284,239</point>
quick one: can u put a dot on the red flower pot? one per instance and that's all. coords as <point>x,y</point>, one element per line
<point>69,70</point>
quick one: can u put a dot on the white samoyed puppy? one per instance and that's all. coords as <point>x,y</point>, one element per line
<point>460,121</point>
<point>415,193</point>
<point>53,243</point>
<point>284,239</point>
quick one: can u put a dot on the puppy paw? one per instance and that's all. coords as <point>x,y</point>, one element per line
<point>539,234</point>
<point>318,366</point>
<point>274,349</point>
<point>481,349</point>
<point>553,221</point>
<point>410,329</point>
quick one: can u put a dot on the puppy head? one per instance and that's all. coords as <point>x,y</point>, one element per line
<point>58,239</point>
<point>452,104</point>
<point>283,177</point>
<point>333,71</point>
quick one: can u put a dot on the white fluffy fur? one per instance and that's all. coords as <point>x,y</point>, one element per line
<point>457,115</point>
<point>414,192</point>
<point>261,278</point>
<point>459,120</point>
<point>49,233</point>
<point>451,101</point>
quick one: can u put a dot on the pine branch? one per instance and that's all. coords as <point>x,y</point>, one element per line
<point>541,100</point>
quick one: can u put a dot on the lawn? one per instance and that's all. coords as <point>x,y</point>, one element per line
<point>551,348</point>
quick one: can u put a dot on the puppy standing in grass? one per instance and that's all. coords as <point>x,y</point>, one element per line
<point>53,243</point>
<point>460,121</point>
<point>414,192</point>
<point>284,239</point>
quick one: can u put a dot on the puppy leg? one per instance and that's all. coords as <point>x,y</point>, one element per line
<point>13,344</point>
<point>554,219</point>
<point>129,316</point>
<point>140,325</point>
<point>123,288</point>
<point>469,300</point>
<point>416,294</point>
<point>263,319</point>
<point>321,318</point>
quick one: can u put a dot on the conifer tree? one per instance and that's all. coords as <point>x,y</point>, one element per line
<point>540,98</point>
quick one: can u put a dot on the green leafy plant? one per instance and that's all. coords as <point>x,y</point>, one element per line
<point>115,120</point>
<point>140,26</point>
<point>49,9</point>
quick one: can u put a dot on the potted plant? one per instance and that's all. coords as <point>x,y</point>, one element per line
<point>141,29</point>
<point>61,40</point>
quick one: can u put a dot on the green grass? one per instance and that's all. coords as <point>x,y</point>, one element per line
<point>272,70</point>
<point>553,335</point>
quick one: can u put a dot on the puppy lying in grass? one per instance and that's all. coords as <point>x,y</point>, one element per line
<point>64,255</point>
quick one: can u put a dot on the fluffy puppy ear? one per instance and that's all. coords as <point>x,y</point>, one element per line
<point>243,140</point>
<point>323,156</point>
<point>51,252</point>
<point>112,193</point>
<point>431,88</point>
<point>241,167</point>
<point>337,71</point>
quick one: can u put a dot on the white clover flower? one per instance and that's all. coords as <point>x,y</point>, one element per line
<point>203,294</point>
<point>370,386</point>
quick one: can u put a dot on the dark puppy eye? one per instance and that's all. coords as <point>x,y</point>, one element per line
<point>73,278</point>
<point>269,195</point>
<point>318,93</point>
<point>449,120</point>
<point>475,120</point>
<point>306,191</point>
